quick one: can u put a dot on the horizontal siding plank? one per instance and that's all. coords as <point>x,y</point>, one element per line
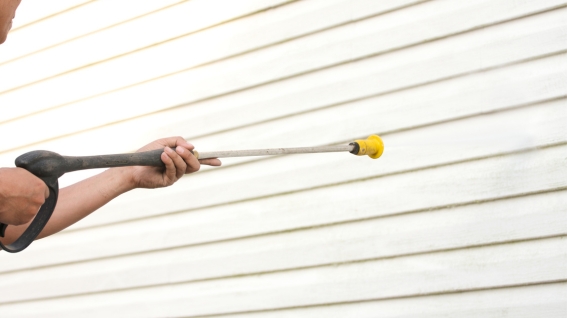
<point>127,37</point>
<point>280,96</point>
<point>529,301</point>
<point>41,10</point>
<point>487,267</point>
<point>69,25</point>
<point>523,218</point>
<point>479,180</point>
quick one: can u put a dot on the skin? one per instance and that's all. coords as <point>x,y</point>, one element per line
<point>22,193</point>
<point>81,199</point>
<point>21,196</point>
<point>7,13</point>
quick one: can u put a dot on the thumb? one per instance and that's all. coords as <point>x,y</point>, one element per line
<point>46,192</point>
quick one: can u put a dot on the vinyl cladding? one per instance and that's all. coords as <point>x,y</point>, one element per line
<point>464,215</point>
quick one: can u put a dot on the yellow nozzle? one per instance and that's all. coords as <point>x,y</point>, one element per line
<point>373,146</point>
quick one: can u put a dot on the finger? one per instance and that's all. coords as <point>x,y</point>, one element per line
<point>46,192</point>
<point>170,171</point>
<point>180,165</point>
<point>185,154</point>
<point>210,162</point>
<point>193,164</point>
<point>176,141</point>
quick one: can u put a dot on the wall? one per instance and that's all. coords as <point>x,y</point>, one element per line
<point>465,215</point>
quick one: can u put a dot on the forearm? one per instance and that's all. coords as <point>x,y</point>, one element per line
<point>79,200</point>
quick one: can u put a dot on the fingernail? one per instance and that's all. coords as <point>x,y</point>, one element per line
<point>180,149</point>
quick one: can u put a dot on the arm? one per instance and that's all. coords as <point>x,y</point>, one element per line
<point>83,198</point>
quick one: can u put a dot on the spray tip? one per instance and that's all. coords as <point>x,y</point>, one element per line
<point>373,146</point>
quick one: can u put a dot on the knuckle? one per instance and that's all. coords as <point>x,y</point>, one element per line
<point>38,198</point>
<point>30,213</point>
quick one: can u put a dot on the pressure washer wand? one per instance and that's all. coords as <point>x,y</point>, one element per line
<point>373,147</point>
<point>49,166</point>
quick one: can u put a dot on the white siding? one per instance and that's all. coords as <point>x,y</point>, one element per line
<point>465,215</point>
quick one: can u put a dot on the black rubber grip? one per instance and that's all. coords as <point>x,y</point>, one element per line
<point>49,166</point>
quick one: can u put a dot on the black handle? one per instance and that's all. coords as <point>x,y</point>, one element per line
<point>49,166</point>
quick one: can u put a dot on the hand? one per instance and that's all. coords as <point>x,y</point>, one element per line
<point>21,195</point>
<point>177,163</point>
